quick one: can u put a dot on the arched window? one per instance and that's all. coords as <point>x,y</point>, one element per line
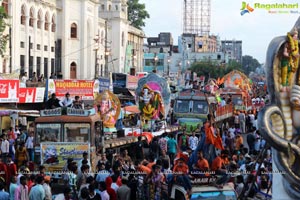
<point>73,30</point>
<point>73,67</point>
<point>53,26</point>
<point>40,19</point>
<point>23,15</point>
<point>31,19</point>
<point>109,7</point>
<point>123,39</point>
<point>47,22</point>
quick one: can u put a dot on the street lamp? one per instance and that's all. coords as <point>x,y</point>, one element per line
<point>155,62</point>
<point>168,66</point>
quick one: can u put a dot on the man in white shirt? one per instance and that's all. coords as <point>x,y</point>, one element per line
<point>4,148</point>
<point>231,130</point>
<point>193,141</point>
<point>103,192</point>
<point>29,146</point>
<point>23,80</point>
<point>67,101</point>
<point>17,132</point>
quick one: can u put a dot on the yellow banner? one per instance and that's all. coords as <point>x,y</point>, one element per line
<point>56,153</point>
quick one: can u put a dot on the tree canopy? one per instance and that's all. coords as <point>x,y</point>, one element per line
<point>213,69</point>
<point>249,64</point>
<point>137,13</point>
<point>3,24</point>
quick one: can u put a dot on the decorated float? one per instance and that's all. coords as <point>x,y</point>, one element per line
<point>279,122</point>
<point>238,86</point>
<point>153,98</point>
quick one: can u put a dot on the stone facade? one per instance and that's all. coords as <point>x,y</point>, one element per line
<point>67,37</point>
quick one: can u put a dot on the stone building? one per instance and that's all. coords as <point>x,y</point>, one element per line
<point>69,38</point>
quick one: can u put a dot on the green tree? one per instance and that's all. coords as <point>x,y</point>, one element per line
<point>137,13</point>
<point>249,64</point>
<point>3,25</point>
<point>213,69</point>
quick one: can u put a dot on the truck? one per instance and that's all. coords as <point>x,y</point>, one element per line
<point>191,108</point>
<point>240,98</point>
<point>63,133</point>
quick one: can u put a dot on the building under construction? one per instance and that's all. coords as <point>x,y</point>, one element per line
<point>196,17</point>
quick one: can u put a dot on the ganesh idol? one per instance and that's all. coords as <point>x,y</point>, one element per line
<point>109,110</point>
<point>151,104</point>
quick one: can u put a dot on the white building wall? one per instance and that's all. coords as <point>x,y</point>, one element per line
<point>80,50</point>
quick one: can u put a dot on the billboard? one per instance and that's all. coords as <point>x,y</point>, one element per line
<point>9,91</point>
<point>85,89</point>
<point>132,82</point>
<point>57,153</point>
<point>119,80</point>
<point>103,84</point>
<point>31,95</point>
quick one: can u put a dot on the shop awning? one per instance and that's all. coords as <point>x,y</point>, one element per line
<point>32,113</point>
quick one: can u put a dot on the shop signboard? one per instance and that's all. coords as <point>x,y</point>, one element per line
<point>103,84</point>
<point>132,82</point>
<point>57,153</point>
<point>31,95</point>
<point>119,80</point>
<point>9,91</point>
<point>85,89</point>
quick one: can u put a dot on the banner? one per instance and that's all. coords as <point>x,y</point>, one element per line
<point>119,80</point>
<point>85,89</point>
<point>103,84</point>
<point>57,153</point>
<point>31,95</point>
<point>132,82</point>
<point>9,91</point>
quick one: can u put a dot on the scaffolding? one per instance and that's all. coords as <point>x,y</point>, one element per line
<point>196,17</point>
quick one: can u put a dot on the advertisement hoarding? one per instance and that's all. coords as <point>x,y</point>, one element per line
<point>103,84</point>
<point>57,153</point>
<point>9,91</point>
<point>132,82</point>
<point>85,89</point>
<point>31,95</point>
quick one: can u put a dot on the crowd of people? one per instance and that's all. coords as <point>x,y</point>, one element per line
<point>54,102</point>
<point>173,159</point>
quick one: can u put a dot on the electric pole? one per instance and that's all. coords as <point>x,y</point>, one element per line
<point>106,52</point>
<point>97,40</point>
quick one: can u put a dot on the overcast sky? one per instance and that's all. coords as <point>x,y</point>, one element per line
<point>255,29</point>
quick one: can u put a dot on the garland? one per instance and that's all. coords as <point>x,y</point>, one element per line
<point>293,60</point>
<point>293,44</point>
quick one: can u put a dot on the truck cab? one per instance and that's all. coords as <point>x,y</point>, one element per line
<point>61,133</point>
<point>191,108</point>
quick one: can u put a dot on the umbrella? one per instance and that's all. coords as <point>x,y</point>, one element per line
<point>131,109</point>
